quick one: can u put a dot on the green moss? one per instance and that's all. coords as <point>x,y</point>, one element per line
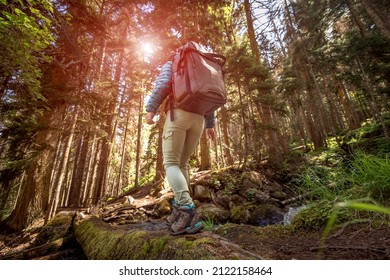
<point>187,248</point>
<point>59,220</point>
<point>58,227</point>
<point>101,242</point>
<point>153,248</point>
<point>317,215</point>
<point>238,214</point>
<point>98,243</point>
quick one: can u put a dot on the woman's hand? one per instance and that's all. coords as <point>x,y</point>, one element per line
<point>149,118</point>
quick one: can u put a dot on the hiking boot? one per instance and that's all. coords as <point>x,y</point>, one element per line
<point>174,214</point>
<point>187,222</point>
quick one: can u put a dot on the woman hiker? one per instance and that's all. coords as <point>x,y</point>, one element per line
<point>181,135</point>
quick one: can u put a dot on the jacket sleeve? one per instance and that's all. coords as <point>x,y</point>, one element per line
<point>161,89</point>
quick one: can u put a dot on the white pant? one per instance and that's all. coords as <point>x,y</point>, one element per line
<point>180,138</point>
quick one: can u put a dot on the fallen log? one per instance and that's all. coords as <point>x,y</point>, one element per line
<point>151,240</point>
<point>39,251</point>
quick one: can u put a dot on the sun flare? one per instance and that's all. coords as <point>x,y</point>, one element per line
<point>147,48</point>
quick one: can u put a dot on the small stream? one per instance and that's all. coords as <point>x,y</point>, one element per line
<point>291,212</point>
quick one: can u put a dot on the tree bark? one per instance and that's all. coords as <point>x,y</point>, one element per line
<point>79,171</point>
<point>139,131</point>
<point>225,136</point>
<point>356,18</point>
<point>205,163</point>
<point>378,15</point>
<point>160,172</point>
<point>123,157</point>
<point>55,198</point>
<point>30,202</point>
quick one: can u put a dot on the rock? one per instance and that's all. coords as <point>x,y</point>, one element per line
<point>128,200</point>
<point>164,208</point>
<point>266,214</point>
<point>211,211</point>
<point>239,214</point>
<point>253,194</point>
<point>248,184</point>
<point>202,193</point>
<point>275,186</point>
<point>279,195</point>
<point>236,199</point>
<point>255,178</point>
<point>222,199</point>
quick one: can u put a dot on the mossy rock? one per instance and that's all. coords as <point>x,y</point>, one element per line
<point>266,214</point>
<point>316,216</point>
<point>211,211</point>
<point>59,227</point>
<point>239,214</point>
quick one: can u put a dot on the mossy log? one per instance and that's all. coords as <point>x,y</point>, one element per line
<point>151,241</point>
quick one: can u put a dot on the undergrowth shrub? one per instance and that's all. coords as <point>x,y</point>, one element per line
<point>365,176</point>
<point>371,173</point>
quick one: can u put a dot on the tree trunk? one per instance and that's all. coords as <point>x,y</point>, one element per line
<point>59,182</point>
<point>225,135</point>
<point>356,18</point>
<point>30,202</point>
<point>245,129</point>
<point>103,168</point>
<point>160,172</point>
<point>79,171</point>
<point>88,189</point>
<point>139,131</point>
<point>378,15</point>
<point>205,163</point>
<point>349,112</point>
<point>123,157</point>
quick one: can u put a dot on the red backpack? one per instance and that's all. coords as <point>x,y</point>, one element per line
<point>197,80</point>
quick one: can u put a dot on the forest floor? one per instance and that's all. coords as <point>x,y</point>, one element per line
<point>359,241</point>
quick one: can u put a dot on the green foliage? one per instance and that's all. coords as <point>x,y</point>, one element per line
<point>226,181</point>
<point>332,174</point>
<point>209,224</point>
<point>370,173</point>
<point>369,128</point>
<point>250,193</point>
<point>335,181</point>
<point>316,216</point>
<point>319,182</point>
<point>24,34</point>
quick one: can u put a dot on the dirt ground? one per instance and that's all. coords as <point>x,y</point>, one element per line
<point>349,243</point>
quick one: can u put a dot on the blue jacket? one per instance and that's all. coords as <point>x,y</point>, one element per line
<point>162,90</point>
